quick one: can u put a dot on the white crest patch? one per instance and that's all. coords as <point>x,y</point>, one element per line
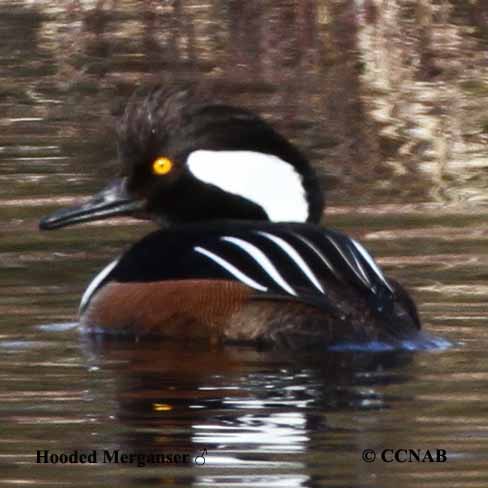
<point>264,179</point>
<point>95,282</point>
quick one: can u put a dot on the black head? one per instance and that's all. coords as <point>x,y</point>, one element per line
<point>185,159</point>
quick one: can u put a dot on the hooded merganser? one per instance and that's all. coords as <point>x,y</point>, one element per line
<point>239,256</point>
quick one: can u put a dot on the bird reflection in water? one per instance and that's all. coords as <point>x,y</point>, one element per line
<point>247,408</point>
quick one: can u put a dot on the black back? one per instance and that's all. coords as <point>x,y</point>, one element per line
<point>289,261</point>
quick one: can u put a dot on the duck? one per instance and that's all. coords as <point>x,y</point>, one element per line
<point>239,255</point>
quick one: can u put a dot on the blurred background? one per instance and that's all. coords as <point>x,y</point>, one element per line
<point>388,98</point>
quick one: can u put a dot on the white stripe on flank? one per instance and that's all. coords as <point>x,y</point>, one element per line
<point>264,179</point>
<point>372,263</point>
<point>319,254</point>
<point>262,260</point>
<point>231,269</point>
<point>96,282</point>
<point>295,257</point>
<point>348,261</point>
<point>360,266</point>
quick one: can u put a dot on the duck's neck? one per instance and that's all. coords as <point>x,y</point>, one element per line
<point>196,202</point>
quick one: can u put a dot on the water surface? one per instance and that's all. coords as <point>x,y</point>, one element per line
<point>392,114</point>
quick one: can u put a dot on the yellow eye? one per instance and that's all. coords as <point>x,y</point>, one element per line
<point>162,166</point>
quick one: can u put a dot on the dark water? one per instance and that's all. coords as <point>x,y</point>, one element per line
<point>388,99</point>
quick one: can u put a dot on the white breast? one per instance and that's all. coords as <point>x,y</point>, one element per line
<point>264,179</point>
<point>92,287</point>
